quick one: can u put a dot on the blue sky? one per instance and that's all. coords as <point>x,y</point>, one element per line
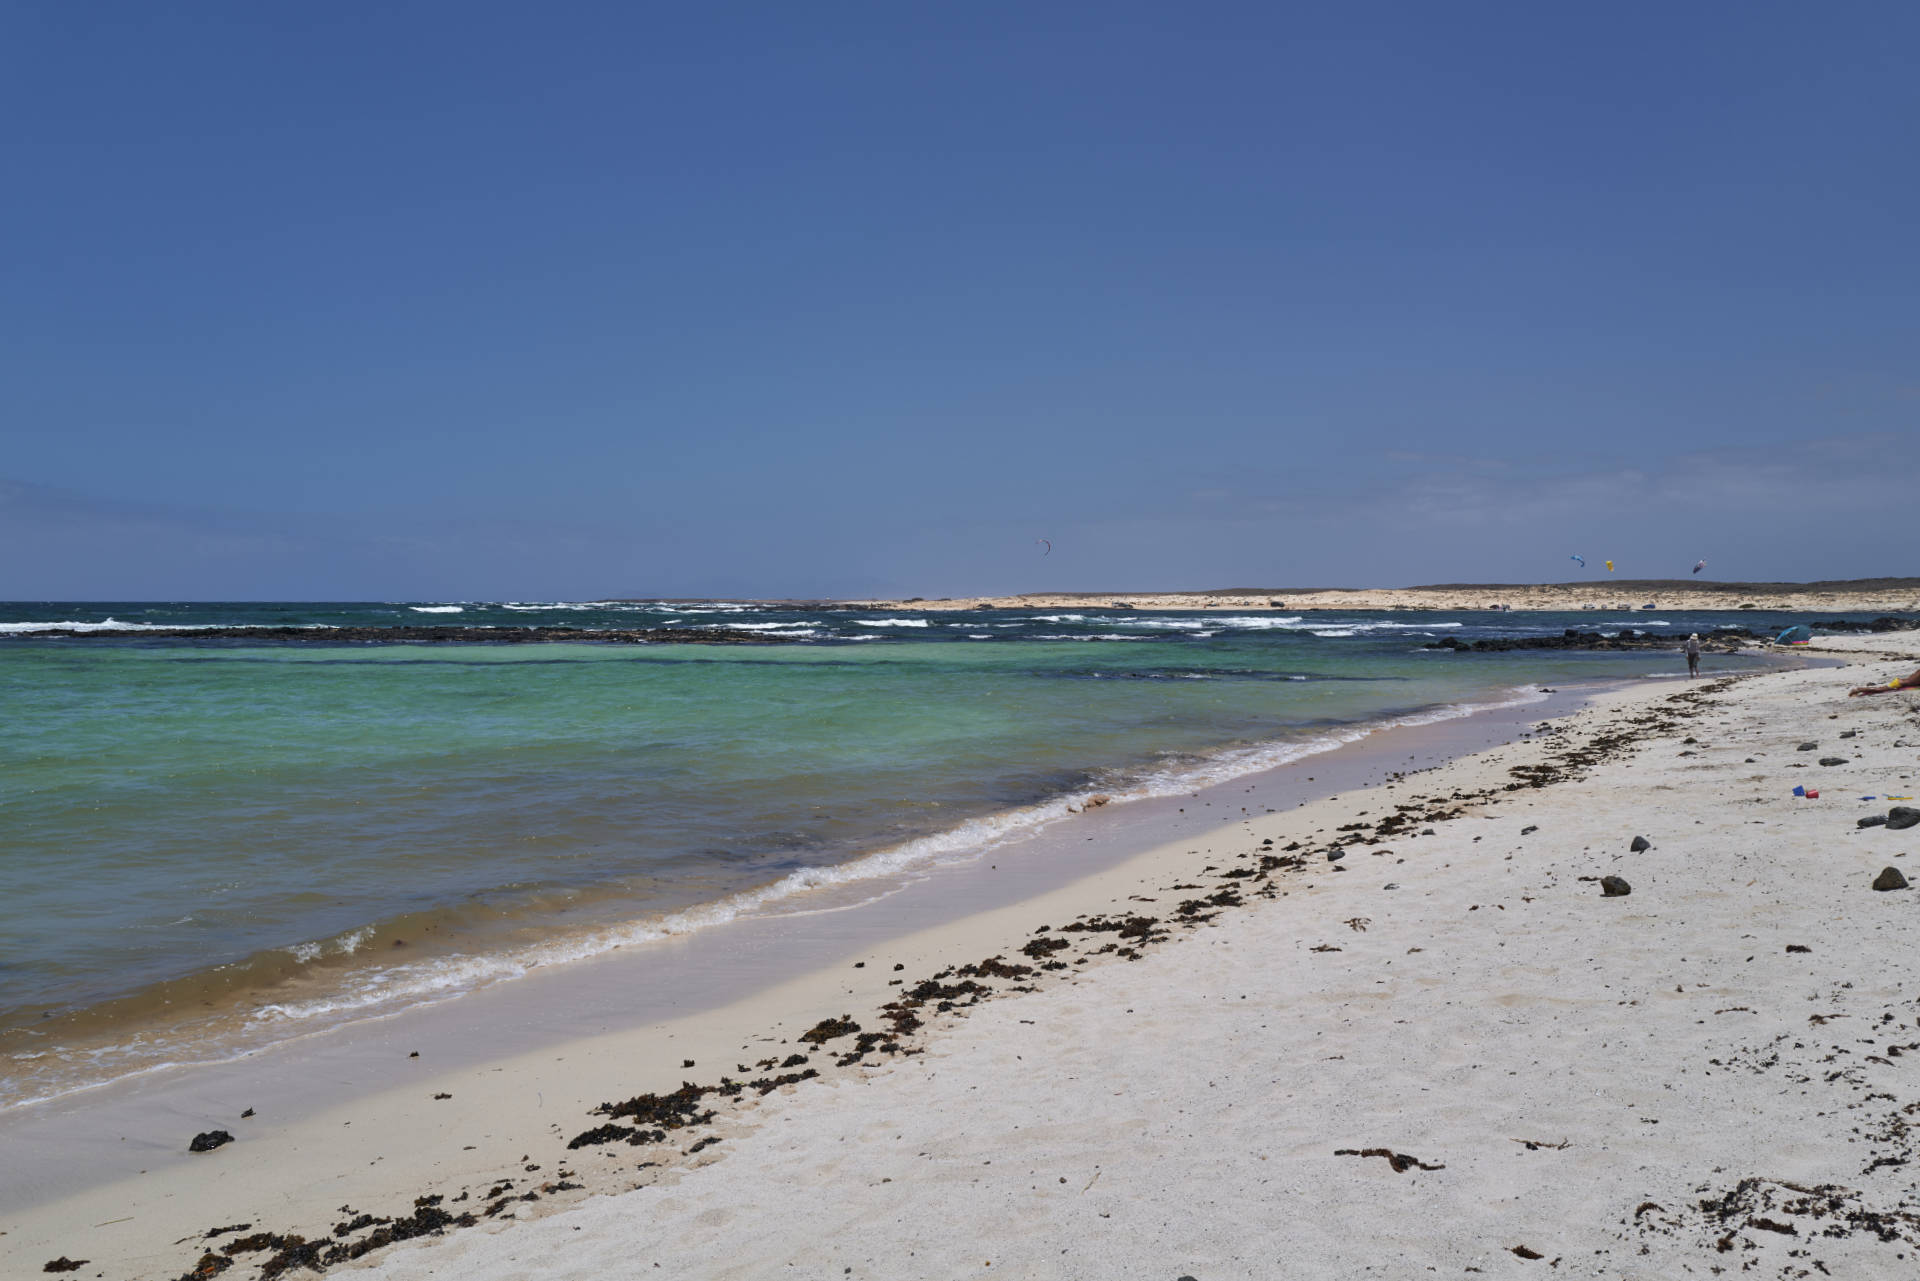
<point>481,301</point>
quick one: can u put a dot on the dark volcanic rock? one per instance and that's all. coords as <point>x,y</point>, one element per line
<point>1884,623</point>
<point>1901,817</point>
<point>209,1141</point>
<point>1833,760</point>
<point>1872,820</point>
<point>1807,747</point>
<point>1630,638</point>
<point>1640,843</point>
<point>1889,879</point>
<point>1614,887</point>
<point>1572,638</point>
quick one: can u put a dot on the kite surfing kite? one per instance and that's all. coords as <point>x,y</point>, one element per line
<point>1609,567</point>
<point>1581,559</point>
<point>1049,543</point>
<point>1699,565</point>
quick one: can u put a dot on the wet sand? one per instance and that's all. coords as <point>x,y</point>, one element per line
<point>1260,1024</point>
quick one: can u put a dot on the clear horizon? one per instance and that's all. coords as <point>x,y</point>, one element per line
<point>467,302</point>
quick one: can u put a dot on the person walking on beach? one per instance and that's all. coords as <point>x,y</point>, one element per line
<point>1693,655</point>
<point>1899,682</point>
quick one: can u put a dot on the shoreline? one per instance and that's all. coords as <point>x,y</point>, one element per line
<point>1059,864</point>
<point>224,1007</point>
<point>1881,596</point>
<point>324,1154</point>
<point>1708,1073</point>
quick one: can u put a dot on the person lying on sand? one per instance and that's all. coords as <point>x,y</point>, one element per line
<point>1901,682</point>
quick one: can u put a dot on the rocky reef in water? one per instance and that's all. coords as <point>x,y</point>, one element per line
<point>1723,638</point>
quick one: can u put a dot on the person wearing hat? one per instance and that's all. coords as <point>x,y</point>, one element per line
<point>1693,655</point>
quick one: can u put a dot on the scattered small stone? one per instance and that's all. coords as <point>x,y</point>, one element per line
<point>1901,817</point>
<point>1428,831</point>
<point>1614,887</point>
<point>1798,947</point>
<point>1890,879</point>
<point>1872,820</point>
<point>1334,856</point>
<point>1848,733</point>
<point>1640,844</point>
<point>1529,831</point>
<point>246,1114</point>
<point>216,1138</point>
<point>438,1097</point>
<point>1525,1253</point>
<point>1807,747</point>
<point>1833,760</point>
<point>64,1264</point>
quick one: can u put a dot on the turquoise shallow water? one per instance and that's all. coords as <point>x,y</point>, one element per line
<point>208,838</point>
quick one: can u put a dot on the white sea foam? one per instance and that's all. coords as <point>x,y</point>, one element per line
<point>1356,626</point>
<point>107,625</point>
<point>1337,632</point>
<point>438,609</point>
<point>893,622</point>
<point>1059,618</point>
<point>344,945</point>
<point>1256,622</point>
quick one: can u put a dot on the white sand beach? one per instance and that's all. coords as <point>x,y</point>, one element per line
<point>1444,1050</point>
<point>1849,596</point>
<point>1585,1072</point>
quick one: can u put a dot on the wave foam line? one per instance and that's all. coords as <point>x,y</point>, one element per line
<point>109,625</point>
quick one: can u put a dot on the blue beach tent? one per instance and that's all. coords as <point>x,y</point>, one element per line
<point>1800,634</point>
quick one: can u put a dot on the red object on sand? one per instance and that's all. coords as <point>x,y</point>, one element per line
<point>1812,795</point>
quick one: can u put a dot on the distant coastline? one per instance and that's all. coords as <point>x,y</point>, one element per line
<point>1885,595</point>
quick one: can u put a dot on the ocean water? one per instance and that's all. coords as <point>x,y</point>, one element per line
<point>208,844</point>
